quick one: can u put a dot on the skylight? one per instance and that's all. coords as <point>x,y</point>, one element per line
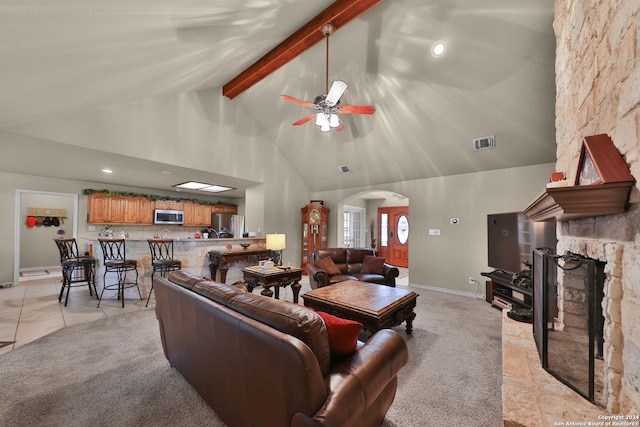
<point>201,186</point>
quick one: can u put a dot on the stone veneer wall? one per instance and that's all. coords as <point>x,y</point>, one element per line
<point>598,91</point>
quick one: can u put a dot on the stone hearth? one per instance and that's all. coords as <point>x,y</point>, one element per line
<point>531,396</point>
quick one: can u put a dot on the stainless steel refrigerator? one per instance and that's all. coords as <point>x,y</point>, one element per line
<point>228,223</point>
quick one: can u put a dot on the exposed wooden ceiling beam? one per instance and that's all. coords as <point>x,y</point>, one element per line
<point>339,14</point>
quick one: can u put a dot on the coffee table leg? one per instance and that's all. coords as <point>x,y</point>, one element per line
<point>250,284</point>
<point>296,290</point>
<point>410,318</point>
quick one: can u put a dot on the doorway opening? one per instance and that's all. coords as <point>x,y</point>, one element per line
<point>374,233</point>
<point>34,249</point>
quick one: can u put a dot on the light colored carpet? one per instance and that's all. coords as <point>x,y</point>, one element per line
<point>113,372</point>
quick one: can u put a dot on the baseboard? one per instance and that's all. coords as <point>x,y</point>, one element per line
<point>448,291</point>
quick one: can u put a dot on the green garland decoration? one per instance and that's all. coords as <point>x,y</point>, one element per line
<point>151,197</point>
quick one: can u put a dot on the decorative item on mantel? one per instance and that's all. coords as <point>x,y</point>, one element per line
<point>245,245</point>
<point>602,186</point>
<point>558,179</point>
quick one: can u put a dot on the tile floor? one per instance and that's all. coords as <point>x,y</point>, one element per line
<point>31,309</point>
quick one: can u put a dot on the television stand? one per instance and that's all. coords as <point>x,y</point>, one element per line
<point>503,294</point>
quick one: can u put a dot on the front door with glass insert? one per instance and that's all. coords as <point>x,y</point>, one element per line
<point>394,235</point>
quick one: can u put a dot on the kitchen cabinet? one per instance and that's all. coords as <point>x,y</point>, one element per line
<point>197,215</point>
<point>98,208</point>
<point>172,205</point>
<point>137,210</point>
<point>224,208</point>
<point>105,209</point>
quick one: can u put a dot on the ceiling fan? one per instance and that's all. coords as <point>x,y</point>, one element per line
<point>327,105</point>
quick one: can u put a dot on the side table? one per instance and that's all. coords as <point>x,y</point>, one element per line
<point>273,277</point>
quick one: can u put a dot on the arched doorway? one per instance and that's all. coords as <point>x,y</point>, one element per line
<point>386,225</point>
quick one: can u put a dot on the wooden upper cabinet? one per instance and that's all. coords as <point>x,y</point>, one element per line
<point>98,208</point>
<point>196,214</point>
<point>138,210</point>
<point>172,205</point>
<point>105,209</point>
<point>224,208</point>
<point>145,214</point>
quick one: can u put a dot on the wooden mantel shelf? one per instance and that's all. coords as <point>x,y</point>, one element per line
<point>581,201</point>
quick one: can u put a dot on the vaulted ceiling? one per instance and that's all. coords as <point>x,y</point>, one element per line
<point>496,78</point>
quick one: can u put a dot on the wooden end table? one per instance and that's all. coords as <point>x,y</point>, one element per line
<point>221,258</point>
<point>375,306</point>
<point>273,277</point>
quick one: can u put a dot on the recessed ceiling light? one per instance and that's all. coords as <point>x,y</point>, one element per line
<point>107,171</point>
<point>201,186</point>
<point>438,48</point>
<point>166,172</point>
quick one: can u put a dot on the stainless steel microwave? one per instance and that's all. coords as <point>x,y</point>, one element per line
<point>162,216</point>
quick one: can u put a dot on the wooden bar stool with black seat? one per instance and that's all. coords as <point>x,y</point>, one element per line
<point>77,270</point>
<point>114,252</point>
<point>161,259</point>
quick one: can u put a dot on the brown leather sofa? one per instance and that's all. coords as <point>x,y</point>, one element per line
<point>350,263</point>
<point>258,361</point>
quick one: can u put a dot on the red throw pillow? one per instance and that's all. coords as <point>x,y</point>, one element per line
<point>372,264</point>
<point>343,334</point>
<point>328,265</point>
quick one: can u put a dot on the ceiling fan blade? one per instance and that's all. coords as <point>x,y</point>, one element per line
<point>357,109</point>
<point>305,120</point>
<point>340,127</point>
<point>298,101</point>
<point>337,89</point>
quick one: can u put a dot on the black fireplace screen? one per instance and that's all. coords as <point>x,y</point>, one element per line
<point>568,321</point>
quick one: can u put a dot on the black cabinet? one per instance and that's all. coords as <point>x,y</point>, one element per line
<point>502,293</point>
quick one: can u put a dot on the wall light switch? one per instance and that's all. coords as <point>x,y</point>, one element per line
<point>434,232</point>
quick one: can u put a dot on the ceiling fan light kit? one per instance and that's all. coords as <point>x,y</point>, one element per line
<point>327,105</point>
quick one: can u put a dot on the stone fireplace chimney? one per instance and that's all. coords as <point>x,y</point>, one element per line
<point>598,92</point>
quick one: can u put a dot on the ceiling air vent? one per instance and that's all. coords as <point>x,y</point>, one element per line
<point>484,143</point>
<point>344,169</point>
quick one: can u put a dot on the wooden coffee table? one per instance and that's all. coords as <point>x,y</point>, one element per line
<point>273,277</point>
<point>375,306</point>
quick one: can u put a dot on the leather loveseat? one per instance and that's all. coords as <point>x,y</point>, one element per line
<point>332,265</point>
<point>259,361</point>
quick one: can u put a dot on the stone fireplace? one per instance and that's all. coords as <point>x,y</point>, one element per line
<point>597,92</point>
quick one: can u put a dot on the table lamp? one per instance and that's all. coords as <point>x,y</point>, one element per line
<point>276,242</point>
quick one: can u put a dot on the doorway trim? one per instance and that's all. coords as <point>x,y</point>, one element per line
<point>18,223</point>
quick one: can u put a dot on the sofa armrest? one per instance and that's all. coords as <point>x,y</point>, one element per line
<point>317,277</point>
<point>390,271</point>
<point>359,380</point>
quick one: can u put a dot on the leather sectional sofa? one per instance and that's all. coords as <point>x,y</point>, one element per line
<point>349,264</point>
<point>258,361</point>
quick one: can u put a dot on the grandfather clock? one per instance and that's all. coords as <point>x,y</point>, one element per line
<point>315,226</point>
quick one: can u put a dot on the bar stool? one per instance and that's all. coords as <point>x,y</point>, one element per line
<point>114,252</point>
<point>161,259</point>
<point>77,270</point>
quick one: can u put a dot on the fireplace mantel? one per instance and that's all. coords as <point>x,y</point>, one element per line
<point>580,201</point>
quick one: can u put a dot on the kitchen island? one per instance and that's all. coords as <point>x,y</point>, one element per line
<point>193,253</point>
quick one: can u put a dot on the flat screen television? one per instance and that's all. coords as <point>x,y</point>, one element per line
<point>512,237</point>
